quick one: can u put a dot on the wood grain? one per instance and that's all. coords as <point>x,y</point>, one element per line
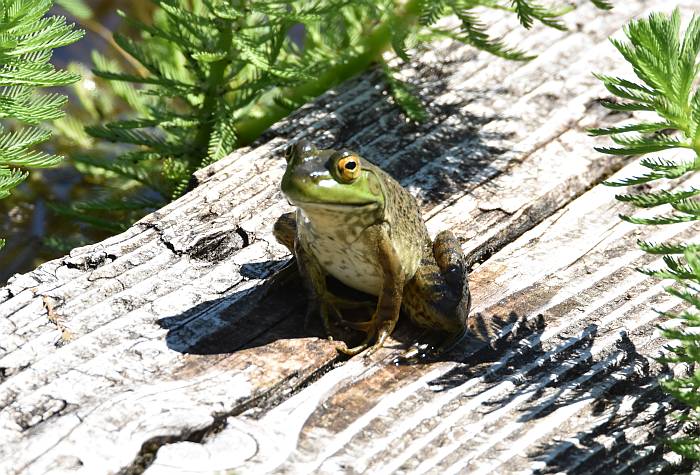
<point>166,341</point>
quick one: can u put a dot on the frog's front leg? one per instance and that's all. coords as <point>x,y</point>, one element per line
<point>388,307</point>
<point>285,231</point>
<point>314,278</point>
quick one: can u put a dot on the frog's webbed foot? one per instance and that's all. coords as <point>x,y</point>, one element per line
<point>343,347</point>
<point>373,329</point>
<point>381,338</point>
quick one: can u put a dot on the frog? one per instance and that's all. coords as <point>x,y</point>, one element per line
<point>356,224</point>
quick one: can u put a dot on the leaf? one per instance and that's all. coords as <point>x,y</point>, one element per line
<point>100,223</point>
<point>206,57</point>
<point>656,220</point>
<point>77,8</point>
<point>639,127</point>
<point>638,146</point>
<point>669,168</point>
<point>23,138</point>
<point>657,198</point>
<point>691,207</point>
<point>405,97</point>
<point>223,141</point>
<point>399,33</point>
<point>180,87</point>
<point>637,180</point>
<point>528,11</point>
<point>663,248</point>
<point>474,33</point>
<point>431,11</point>
<point>625,106</point>
<point>603,4</point>
<point>9,179</point>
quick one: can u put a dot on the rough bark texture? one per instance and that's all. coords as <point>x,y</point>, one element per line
<point>164,350</point>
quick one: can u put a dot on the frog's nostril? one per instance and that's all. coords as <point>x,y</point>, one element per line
<point>288,152</point>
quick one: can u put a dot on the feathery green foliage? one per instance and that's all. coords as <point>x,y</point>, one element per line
<point>666,65</point>
<point>27,38</point>
<point>219,73</point>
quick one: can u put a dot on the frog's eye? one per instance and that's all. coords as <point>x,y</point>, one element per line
<point>349,167</point>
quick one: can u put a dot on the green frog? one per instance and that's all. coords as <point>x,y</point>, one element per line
<point>358,225</point>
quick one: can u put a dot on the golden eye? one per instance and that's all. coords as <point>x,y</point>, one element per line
<point>349,167</point>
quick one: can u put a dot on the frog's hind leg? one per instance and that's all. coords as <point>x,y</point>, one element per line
<point>285,230</point>
<point>437,298</point>
<point>450,260</point>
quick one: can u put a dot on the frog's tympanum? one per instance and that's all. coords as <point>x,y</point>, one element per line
<point>357,224</point>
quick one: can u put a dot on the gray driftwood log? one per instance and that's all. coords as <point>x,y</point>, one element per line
<point>163,350</point>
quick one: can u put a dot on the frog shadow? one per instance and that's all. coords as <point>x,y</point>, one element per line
<point>260,316</point>
<point>271,311</point>
<point>275,310</point>
<point>245,319</point>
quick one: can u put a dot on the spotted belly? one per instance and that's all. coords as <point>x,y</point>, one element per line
<point>352,264</point>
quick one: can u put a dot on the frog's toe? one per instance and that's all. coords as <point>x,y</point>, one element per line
<point>382,336</point>
<point>343,348</point>
<point>371,329</point>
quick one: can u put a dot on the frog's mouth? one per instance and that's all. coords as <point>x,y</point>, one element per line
<point>314,205</point>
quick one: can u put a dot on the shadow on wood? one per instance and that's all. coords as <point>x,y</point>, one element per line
<point>629,405</point>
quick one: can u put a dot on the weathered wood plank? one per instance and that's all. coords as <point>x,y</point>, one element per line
<point>162,333</point>
<point>576,391</point>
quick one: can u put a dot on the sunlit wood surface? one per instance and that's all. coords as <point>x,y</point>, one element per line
<point>164,350</point>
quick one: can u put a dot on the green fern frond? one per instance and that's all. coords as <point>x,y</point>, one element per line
<point>657,198</point>
<point>404,96</point>
<point>635,180</point>
<point>626,106</point>
<point>9,179</point>
<point>19,103</point>
<point>27,39</point>
<point>641,145</point>
<point>77,8</point>
<point>474,33</point>
<point>670,169</point>
<point>603,4</point>
<point>666,63</point>
<point>529,11</point>
<point>688,296</point>
<point>101,223</point>
<point>689,207</point>
<point>663,248</point>
<point>430,11</point>
<point>645,127</point>
<point>223,139</point>
<point>658,220</point>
